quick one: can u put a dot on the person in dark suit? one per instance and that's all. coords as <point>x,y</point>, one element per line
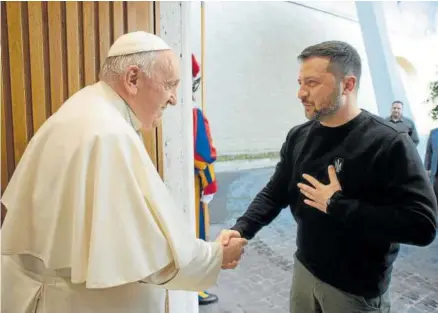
<point>402,123</point>
<point>431,159</point>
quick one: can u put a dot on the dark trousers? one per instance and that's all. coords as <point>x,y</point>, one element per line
<point>311,295</point>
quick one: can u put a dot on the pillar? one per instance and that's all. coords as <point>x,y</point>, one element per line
<point>385,75</point>
<point>178,132</point>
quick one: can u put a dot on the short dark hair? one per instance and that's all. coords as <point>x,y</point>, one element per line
<point>397,101</point>
<point>344,59</point>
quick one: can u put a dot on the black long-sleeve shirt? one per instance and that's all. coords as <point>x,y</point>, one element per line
<point>386,200</point>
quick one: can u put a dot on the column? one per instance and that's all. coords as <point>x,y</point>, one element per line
<point>178,132</point>
<point>387,82</point>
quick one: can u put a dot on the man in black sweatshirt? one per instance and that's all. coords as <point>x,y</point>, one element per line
<point>355,185</point>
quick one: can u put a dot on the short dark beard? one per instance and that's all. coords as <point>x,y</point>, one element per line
<point>335,104</point>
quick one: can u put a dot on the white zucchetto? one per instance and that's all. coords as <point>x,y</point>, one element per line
<point>134,42</point>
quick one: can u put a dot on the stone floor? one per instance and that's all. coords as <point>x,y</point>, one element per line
<point>262,281</point>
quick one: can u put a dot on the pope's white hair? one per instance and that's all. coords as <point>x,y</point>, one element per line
<point>118,65</point>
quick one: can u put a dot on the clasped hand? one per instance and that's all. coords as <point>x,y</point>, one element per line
<point>232,247</point>
<point>317,195</point>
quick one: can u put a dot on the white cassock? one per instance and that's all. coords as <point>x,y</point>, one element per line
<point>91,227</point>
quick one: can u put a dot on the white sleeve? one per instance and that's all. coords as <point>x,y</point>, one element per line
<point>200,274</point>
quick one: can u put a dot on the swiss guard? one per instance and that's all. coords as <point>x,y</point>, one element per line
<point>205,180</point>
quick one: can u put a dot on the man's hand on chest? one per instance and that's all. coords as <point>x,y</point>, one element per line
<point>318,194</point>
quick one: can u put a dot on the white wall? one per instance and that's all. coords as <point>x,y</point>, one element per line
<point>251,68</point>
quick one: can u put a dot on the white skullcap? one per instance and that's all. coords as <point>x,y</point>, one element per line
<point>134,42</point>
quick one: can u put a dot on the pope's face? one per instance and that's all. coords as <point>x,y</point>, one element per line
<point>156,92</point>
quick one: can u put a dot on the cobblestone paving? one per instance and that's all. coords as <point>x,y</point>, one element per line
<point>261,284</point>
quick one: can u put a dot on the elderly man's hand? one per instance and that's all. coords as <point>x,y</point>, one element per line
<point>231,240</point>
<point>226,234</point>
<point>233,252</point>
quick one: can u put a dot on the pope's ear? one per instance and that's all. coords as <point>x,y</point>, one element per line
<point>131,79</point>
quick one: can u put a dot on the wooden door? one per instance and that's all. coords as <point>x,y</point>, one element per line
<point>50,50</point>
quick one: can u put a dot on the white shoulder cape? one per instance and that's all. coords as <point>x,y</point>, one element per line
<point>86,196</point>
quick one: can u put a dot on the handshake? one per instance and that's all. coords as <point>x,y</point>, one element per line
<point>232,248</point>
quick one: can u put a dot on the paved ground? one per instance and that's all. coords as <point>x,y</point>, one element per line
<point>261,283</point>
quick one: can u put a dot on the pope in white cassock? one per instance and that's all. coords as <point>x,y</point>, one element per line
<point>91,227</point>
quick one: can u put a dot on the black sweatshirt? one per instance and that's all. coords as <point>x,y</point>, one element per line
<point>386,200</point>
